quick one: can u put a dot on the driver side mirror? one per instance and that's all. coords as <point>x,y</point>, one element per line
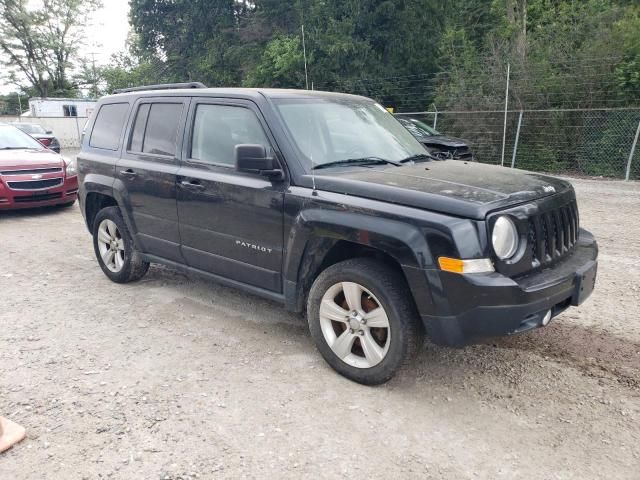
<point>253,159</point>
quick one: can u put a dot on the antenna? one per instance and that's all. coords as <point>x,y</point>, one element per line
<point>306,81</point>
<point>313,177</point>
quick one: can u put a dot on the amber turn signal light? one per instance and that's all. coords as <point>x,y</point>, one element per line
<point>456,265</point>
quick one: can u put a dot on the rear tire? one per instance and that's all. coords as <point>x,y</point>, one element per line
<point>363,320</point>
<point>114,248</point>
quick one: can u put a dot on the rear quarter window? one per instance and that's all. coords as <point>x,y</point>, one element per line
<point>107,128</point>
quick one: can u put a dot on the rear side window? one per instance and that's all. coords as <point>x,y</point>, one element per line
<point>217,129</point>
<point>156,128</point>
<point>108,126</point>
<point>138,128</point>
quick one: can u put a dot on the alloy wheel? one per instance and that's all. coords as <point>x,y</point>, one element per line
<point>111,245</point>
<point>355,325</point>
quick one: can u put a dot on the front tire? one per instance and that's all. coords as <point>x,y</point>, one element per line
<point>363,321</point>
<point>114,248</point>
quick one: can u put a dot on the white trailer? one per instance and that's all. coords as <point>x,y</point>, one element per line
<point>60,107</point>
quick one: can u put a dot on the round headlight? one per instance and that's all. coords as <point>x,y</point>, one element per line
<point>504,238</point>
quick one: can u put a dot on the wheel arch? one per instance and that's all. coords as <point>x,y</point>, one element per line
<point>93,203</point>
<point>317,242</point>
<point>98,192</point>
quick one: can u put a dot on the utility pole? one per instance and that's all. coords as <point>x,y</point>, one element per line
<point>304,53</point>
<point>94,79</point>
<point>304,46</point>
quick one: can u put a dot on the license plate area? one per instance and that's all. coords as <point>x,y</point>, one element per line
<point>585,282</point>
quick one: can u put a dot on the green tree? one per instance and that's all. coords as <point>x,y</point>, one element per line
<point>405,53</point>
<point>41,43</point>
<point>11,104</point>
<point>282,65</point>
<point>195,39</point>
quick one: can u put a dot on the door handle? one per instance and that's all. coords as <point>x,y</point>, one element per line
<point>193,185</point>
<point>128,173</point>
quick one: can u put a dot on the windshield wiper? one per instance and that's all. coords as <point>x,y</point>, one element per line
<point>419,156</point>
<point>358,161</point>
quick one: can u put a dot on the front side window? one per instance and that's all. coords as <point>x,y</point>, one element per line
<point>335,129</point>
<point>217,129</point>
<point>108,126</point>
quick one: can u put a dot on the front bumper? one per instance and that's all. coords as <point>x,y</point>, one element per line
<point>485,305</point>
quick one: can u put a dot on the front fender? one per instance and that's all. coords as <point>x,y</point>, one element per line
<point>321,228</point>
<point>414,238</point>
<point>316,230</point>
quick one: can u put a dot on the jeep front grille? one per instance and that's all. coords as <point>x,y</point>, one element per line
<point>553,234</point>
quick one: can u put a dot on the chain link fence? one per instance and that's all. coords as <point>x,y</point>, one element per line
<point>584,142</point>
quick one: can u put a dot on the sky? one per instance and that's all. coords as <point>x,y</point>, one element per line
<point>106,34</point>
<point>108,30</point>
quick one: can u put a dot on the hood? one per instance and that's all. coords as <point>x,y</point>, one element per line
<point>22,159</point>
<point>444,140</point>
<point>466,189</point>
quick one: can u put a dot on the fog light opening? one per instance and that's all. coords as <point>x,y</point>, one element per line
<point>546,319</point>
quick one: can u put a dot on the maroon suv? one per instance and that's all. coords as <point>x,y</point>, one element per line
<point>31,175</point>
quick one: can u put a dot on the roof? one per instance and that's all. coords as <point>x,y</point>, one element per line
<point>247,92</point>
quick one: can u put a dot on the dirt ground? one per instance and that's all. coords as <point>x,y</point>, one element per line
<point>176,377</point>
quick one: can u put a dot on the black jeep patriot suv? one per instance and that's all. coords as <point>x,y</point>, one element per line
<point>325,203</point>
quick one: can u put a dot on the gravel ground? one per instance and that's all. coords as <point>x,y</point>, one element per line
<point>176,377</point>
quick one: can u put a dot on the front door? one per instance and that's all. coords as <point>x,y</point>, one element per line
<point>231,223</point>
<point>147,172</point>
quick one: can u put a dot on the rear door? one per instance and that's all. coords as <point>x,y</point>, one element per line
<point>146,173</point>
<point>231,223</point>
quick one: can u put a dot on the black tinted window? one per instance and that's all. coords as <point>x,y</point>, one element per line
<point>108,126</point>
<point>138,128</point>
<point>162,129</point>
<point>217,129</point>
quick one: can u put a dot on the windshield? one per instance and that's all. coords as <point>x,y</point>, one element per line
<point>30,128</point>
<point>12,139</point>
<point>418,128</point>
<point>337,129</point>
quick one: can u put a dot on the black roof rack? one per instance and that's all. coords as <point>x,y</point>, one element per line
<point>162,86</point>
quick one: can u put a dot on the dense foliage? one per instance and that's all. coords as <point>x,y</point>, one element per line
<point>407,53</point>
